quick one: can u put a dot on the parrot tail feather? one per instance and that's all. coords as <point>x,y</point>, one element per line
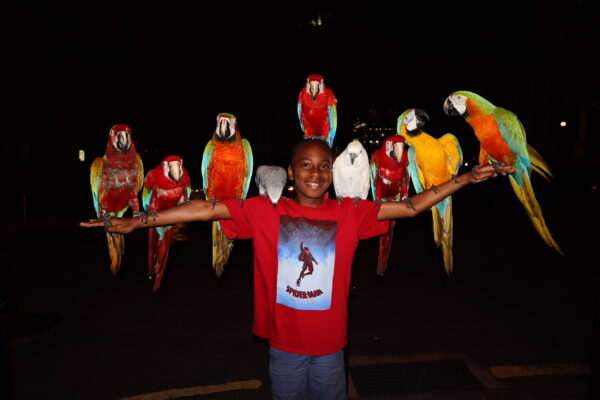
<point>116,248</point>
<point>222,247</point>
<point>538,164</point>
<point>534,211</point>
<point>442,228</point>
<point>385,245</point>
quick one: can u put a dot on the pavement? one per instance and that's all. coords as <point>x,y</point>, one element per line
<point>514,321</point>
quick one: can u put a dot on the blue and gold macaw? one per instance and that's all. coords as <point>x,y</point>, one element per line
<point>432,162</point>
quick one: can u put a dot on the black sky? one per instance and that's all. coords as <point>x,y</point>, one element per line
<point>73,70</point>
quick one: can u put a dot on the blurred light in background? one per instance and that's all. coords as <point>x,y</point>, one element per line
<point>563,123</point>
<point>81,155</point>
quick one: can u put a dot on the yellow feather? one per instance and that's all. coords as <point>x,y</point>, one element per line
<point>527,197</point>
<point>222,247</point>
<point>538,164</point>
<point>116,248</point>
<point>442,232</point>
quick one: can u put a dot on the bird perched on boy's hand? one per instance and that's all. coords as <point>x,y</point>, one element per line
<point>502,140</point>
<point>116,179</point>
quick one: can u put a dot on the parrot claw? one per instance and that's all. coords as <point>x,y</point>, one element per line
<point>339,199</point>
<point>356,201</point>
<point>454,178</point>
<point>107,222</point>
<point>241,201</point>
<point>142,215</point>
<point>496,165</point>
<point>409,203</point>
<point>474,172</point>
<point>434,188</point>
<point>213,202</point>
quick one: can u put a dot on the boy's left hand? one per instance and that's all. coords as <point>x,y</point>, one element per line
<point>481,173</point>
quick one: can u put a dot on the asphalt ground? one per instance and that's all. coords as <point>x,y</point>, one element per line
<point>515,315</point>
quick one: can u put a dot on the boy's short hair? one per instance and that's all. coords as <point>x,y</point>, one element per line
<point>307,141</point>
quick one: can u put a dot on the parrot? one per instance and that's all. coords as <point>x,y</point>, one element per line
<point>227,164</point>
<point>389,182</point>
<point>116,179</point>
<point>351,172</point>
<point>317,110</point>
<point>165,186</point>
<point>502,139</point>
<point>270,180</point>
<point>432,162</point>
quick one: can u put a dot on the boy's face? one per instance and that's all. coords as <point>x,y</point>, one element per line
<point>311,172</point>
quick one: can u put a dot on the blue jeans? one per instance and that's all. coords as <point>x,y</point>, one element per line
<point>300,377</point>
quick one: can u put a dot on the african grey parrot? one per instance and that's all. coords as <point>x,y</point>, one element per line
<point>271,180</point>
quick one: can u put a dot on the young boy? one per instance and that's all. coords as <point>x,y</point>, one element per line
<point>304,322</point>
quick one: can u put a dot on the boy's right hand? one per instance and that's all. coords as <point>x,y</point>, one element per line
<point>118,225</point>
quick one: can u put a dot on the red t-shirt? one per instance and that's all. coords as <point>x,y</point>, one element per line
<point>302,264</point>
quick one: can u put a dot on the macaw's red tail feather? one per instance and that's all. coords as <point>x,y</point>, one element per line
<point>534,211</point>
<point>163,247</point>
<point>222,247</point>
<point>116,248</point>
<point>385,245</point>
<point>152,252</point>
<point>442,234</point>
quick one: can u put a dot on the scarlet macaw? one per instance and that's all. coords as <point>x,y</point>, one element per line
<point>116,180</point>
<point>432,162</point>
<point>226,174</point>
<point>389,182</point>
<point>502,139</point>
<point>317,110</point>
<point>165,186</point>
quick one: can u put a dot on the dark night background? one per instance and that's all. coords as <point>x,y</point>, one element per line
<point>70,71</point>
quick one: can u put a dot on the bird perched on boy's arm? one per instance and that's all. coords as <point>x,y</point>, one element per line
<point>165,186</point>
<point>502,140</point>
<point>115,179</point>
<point>432,162</point>
<point>227,165</point>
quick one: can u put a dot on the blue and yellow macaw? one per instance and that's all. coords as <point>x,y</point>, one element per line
<point>432,162</point>
<point>227,166</point>
<point>502,139</point>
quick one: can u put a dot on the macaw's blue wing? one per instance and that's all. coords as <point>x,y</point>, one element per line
<point>206,157</point>
<point>332,124</point>
<point>249,165</point>
<point>413,169</point>
<point>95,181</point>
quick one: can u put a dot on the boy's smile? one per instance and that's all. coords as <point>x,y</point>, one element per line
<point>311,172</point>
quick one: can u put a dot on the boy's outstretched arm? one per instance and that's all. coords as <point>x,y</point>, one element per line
<point>195,210</point>
<point>428,198</point>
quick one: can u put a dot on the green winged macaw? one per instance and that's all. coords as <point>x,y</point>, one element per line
<point>317,110</point>
<point>502,140</point>
<point>165,186</point>
<point>389,182</point>
<point>227,166</point>
<point>116,179</point>
<point>432,162</point>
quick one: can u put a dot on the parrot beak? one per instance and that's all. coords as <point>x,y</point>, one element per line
<point>422,117</point>
<point>122,141</point>
<point>397,151</point>
<point>353,157</point>
<point>175,171</point>
<point>313,89</point>
<point>449,108</point>
<point>225,129</point>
